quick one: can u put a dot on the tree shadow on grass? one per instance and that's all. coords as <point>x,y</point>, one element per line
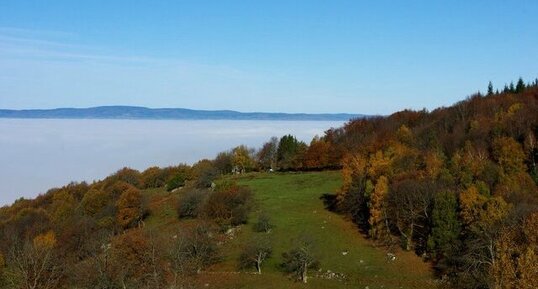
<point>329,201</point>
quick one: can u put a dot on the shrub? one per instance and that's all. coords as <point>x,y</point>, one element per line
<point>190,204</point>
<point>229,205</point>
<point>263,224</point>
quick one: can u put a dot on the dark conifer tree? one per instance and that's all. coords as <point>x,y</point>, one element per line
<point>490,88</point>
<point>520,86</point>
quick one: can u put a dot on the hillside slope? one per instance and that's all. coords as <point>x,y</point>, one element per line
<point>293,202</point>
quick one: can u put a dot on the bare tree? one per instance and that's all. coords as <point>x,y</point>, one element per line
<point>254,253</point>
<point>33,267</point>
<point>191,250</point>
<point>299,260</point>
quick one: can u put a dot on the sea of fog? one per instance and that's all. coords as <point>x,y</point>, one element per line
<point>38,154</point>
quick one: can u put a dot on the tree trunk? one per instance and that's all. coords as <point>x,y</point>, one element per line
<point>409,238</point>
<point>304,277</point>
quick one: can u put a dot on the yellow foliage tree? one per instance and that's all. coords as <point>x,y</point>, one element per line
<point>94,200</point>
<point>379,164</point>
<point>354,166</point>
<point>45,241</point>
<point>517,256</point>
<point>377,205</point>
<point>434,162</point>
<point>241,159</point>
<point>63,206</point>
<point>471,202</point>
<point>509,154</point>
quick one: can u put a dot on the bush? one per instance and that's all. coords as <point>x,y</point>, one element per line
<point>190,204</point>
<point>263,224</point>
<point>229,205</point>
<point>175,182</point>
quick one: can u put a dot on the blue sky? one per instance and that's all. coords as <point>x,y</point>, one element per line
<point>290,56</point>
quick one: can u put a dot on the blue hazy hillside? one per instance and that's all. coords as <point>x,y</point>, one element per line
<point>134,112</point>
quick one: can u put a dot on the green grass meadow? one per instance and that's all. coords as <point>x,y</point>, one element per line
<point>292,200</point>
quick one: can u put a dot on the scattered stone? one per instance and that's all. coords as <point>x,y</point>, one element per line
<point>345,253</point>
<point>329,275</point>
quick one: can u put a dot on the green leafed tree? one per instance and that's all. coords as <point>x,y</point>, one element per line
<point>289,152</point>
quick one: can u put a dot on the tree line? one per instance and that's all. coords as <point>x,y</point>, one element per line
<point>457,185</point>
<point>94,235</point>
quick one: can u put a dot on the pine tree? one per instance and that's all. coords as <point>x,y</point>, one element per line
<point>445,225</point>
<point>490,88</point>
<point>520,86</point>
<point>512,88</point>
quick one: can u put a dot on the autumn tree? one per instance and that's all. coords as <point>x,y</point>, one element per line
<point>267,155</point>
<point>354,195</point>
<point>130,207</point>
<point>482,219</point>
<point>516,263</point>
<point>229,205</point>
<point>63,206</point>
<point>241,159</point>
<point>95,201</point>
<point>127,175</point>
<point>509,155</point>
<point>378,206</point>
<point>153,177</point>
<point>128,257</point>
<point>33,265</point>
<point>317,154</point>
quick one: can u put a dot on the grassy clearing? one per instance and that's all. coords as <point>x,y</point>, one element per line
<point>293,202</point>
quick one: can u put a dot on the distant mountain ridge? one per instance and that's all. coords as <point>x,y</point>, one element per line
<point>136,112</point>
